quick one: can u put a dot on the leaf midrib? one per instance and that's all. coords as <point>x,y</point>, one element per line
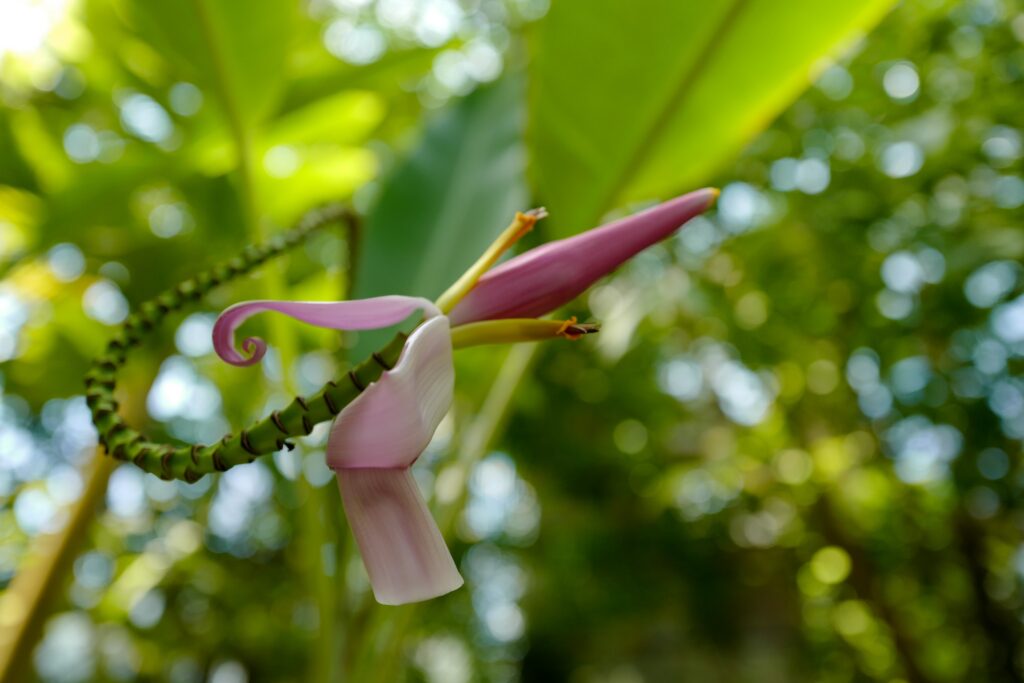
<point>664,115</point>
<point>236,122</point>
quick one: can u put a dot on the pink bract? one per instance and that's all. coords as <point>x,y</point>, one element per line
<point>542,279</point>
<point>405,555</point>
<point>392,421</point>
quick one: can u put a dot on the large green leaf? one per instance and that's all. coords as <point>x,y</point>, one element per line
<point>636,100</point>
<point>449,199</point>
<point>234,48</point>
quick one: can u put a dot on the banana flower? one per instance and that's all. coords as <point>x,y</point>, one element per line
<point>377,437</point>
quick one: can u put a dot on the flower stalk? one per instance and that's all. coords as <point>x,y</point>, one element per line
<point>515,330</point>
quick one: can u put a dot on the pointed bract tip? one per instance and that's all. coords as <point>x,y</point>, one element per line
<point>714,193</point>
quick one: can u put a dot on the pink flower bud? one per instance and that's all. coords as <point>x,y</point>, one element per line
<point>542,279</point>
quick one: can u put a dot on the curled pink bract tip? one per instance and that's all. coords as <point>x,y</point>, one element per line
<point>362,314</point>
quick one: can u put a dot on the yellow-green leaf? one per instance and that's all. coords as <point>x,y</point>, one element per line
<point>639,100</point>
<point>236,49</point>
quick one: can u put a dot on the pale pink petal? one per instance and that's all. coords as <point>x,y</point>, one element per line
<point>372,443</point>
<point>542,279</point>
<point>402,548</point>
<point>392,421</point>
<point>360,314</point>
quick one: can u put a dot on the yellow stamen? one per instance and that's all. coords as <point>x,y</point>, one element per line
<point>566,326</point>
<point>520,225</point>
<point>514,330</point>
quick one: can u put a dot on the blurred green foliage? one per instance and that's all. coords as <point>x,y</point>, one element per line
<point>792,454</point>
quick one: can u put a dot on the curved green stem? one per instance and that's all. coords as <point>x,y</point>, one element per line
<point>266,436</point>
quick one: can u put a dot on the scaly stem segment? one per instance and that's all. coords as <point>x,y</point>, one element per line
<point>266,436</point>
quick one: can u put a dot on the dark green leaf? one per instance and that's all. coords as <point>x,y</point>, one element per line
<point>444,204</point>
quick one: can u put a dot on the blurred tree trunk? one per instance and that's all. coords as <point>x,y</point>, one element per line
<point>25,604</point>
<point>1001,628</point>
<point>863,579</point>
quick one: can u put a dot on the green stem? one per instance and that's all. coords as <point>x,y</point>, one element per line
<point>266,436</point>
<point>484,429</point>
<point>240,132</point>
<point>346,636</point>
<point>23,605</point>
<point>353,246</point>
<point>316,538</point>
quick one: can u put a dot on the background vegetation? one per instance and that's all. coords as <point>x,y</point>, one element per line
<point>792,454</point>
